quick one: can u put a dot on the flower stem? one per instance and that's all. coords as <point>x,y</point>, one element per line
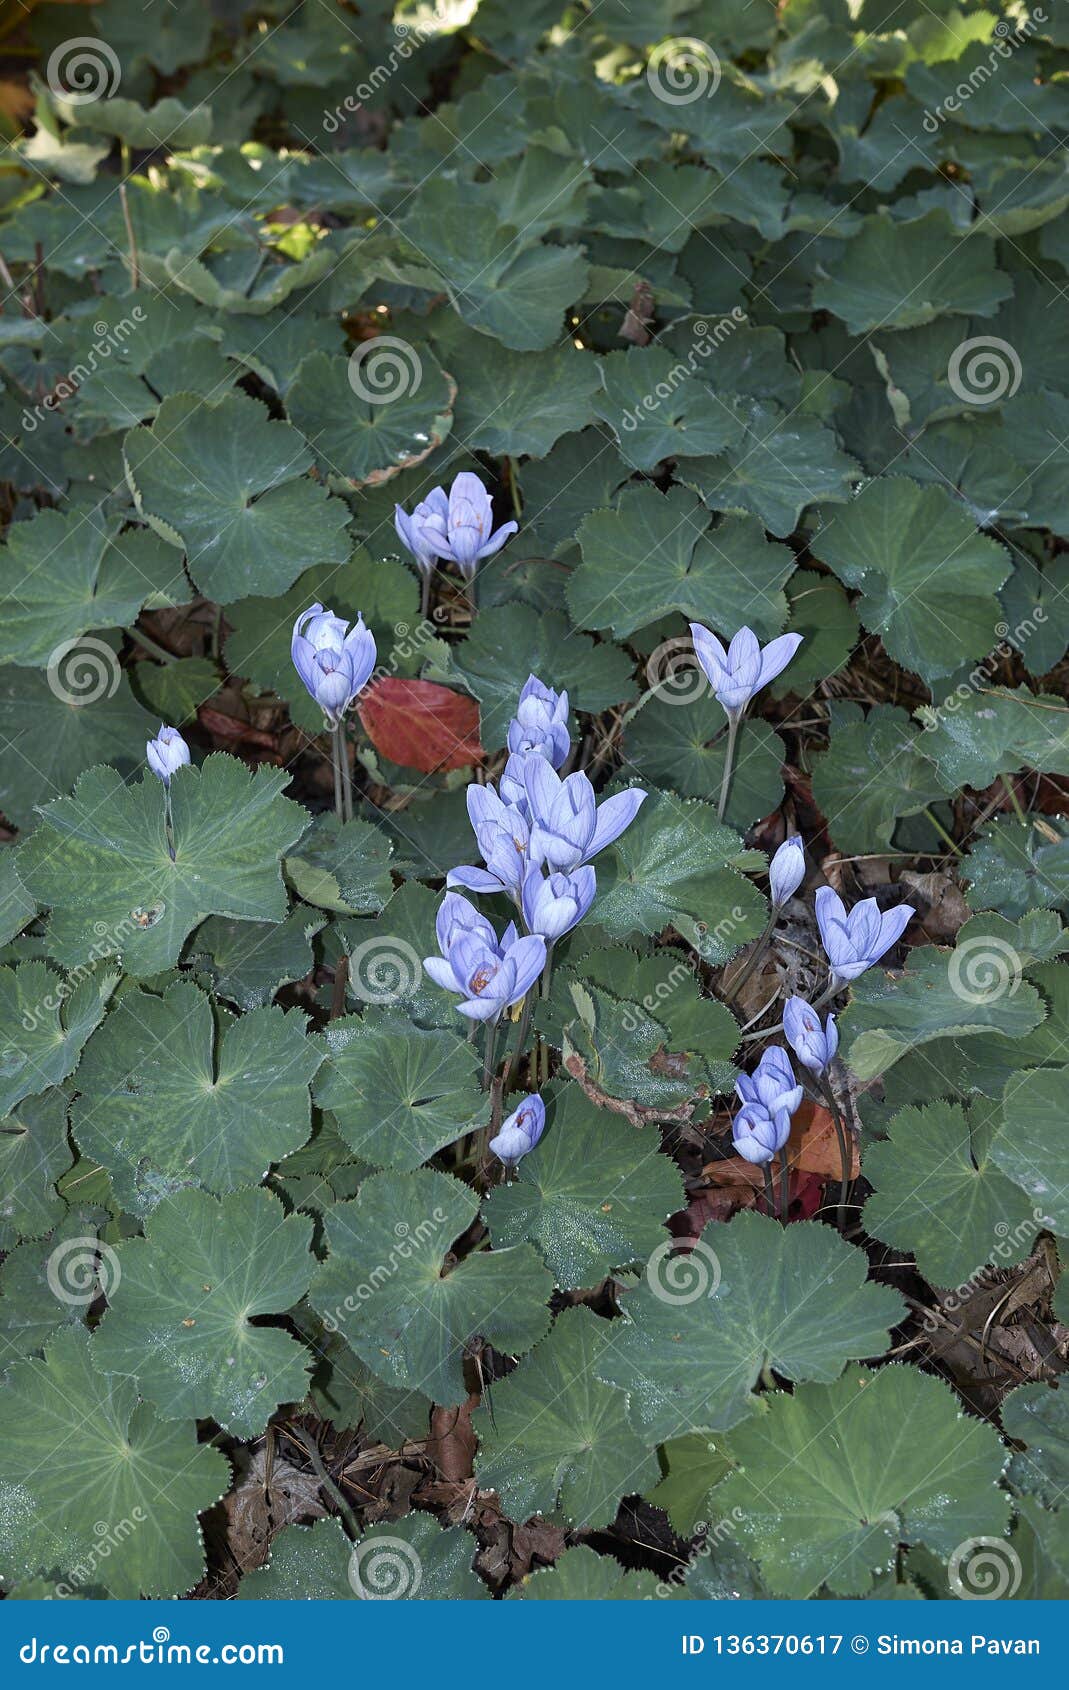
<point>752,960</point>
<point>1011,794</point>
<point>346,776</point>
<point>729,764</point>
<point>516,1054</point>
<point>845,1158</point>
<point>425,594</point>
<point>335,767</point>
<point>941,830</point>
<point>547,972</point>
<point>489,1046</point>
<point>784,1186</point>
<point>168,820</point>
<point>770,1190</point>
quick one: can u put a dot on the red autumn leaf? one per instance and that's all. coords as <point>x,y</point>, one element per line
<point>421,725</point>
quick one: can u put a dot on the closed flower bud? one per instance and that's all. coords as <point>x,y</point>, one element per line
<point>521,1132</point>
<point>166,753</point>
<point>786,871</point>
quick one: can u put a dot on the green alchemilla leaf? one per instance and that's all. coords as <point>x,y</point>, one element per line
<point>167,1101</point>
<point>655,553</point>
<point>514,403</point>
<point>54,726</point>
<point>65,573</point>
<point>366,424</point>
<point>1030,1147</point>
<point>974,736</point>
<point>1038,1417</point>
<point>412,1559</point>
<point>976,988</point>
<point>16,906</point>
<point>33,1154</point>
<point>100,860</point>
<point>874,771</point>
<point>1019,866</point>
<point>938,1195</point>
<point>47,1017</point>
<point>657,408</point>
<point>783,462</point>
<point>905,1466</point>
<point>180,1313</point>
<point>928,580</point>
<point>894,277</point>
<point>230,487</point>
<point>677,866</point>
<point>691,1466</point>
<point>582,1575</point>
<point>76,1448</point>
<point>385,1288</point>
<point>342,866</point>
<point>399,1093</point>
<point>593,1196</point>
<point>680,741</point>
<point>701,1328</point>
<point>249,960</point>
<point>560,1439</point>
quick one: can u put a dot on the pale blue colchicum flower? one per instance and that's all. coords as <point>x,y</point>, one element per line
<point>540,723</point>
<point>166,753</point>
<point>786,871</point>
<point>740,671</point>
<point>470,536</point>
<point>489,976</point>
<point>854,942</point>
<point>813,1045</point>
<point>456,916</point>
<point>332,660</point>
<point>521,1132</point>
<point>555,903</point>
<point>424,532</point>
<point>568,826</point>
<point>503,838</point>
<point>769,1098</point>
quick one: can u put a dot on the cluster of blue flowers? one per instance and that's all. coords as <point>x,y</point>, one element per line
<point>535,833</point>
<point>457,526</point>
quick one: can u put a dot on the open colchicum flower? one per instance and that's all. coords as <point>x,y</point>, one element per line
<point>735,675</point>
<point>423,533</point>
<point>332,660</point>
<point>521,1132</point>
<point>540,724</point>
<point>503,836</point>
<point>568,826</point>
<point>813,1045</point>
<point>166,753</point>
<point>490,976</point>
<point>470,536</point>
<point>854,942</point>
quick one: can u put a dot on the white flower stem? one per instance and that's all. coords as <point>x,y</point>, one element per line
<point>734,720</point>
